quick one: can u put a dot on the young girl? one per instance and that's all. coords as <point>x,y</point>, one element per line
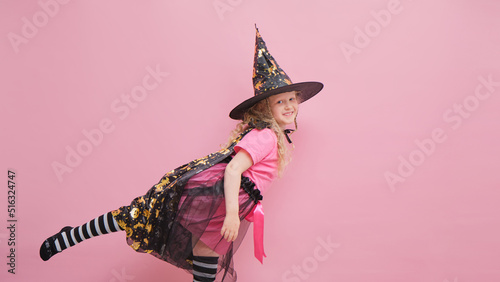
<point>197,215</point>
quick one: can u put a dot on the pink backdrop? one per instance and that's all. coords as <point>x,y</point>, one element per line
<point>395,173</point>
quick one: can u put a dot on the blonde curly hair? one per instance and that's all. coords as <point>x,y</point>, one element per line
<point>261,113</point>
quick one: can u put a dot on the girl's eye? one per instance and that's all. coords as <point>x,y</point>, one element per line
<point>291,99</point>
<point>280,102</point>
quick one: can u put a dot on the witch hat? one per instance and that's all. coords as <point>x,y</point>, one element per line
<point>269,79</point>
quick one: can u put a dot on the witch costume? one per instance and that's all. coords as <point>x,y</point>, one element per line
<point>164,221</point>
<point>188,203</point>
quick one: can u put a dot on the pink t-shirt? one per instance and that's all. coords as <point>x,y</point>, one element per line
<point>263,149</point>
<point>262,145</point>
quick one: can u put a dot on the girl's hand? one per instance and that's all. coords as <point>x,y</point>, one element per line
<point>230,227</point>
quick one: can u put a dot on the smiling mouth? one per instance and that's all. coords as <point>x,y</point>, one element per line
<point>288,114</point>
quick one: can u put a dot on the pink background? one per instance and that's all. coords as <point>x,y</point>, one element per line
<point>412,76</point>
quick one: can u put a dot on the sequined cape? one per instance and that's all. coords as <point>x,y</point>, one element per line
<point>148,220</point>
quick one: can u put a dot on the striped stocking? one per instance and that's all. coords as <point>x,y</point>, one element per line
<point>69,236</point>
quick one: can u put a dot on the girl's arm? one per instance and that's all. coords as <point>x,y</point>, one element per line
<point>232,181</point>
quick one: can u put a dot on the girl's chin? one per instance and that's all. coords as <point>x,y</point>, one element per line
<point>284,124</point>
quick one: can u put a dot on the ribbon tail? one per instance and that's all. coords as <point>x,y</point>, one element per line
<point>258,232</point>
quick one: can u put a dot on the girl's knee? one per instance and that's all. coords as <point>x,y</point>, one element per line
<point>201,249</point>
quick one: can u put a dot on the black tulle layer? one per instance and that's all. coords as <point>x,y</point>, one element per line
<point>167,223</point>
<point>169,219</point>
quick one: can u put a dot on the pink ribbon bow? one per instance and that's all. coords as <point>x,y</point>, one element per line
<point>257,217</point>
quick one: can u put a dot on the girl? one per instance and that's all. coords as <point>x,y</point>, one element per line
<point>197,215</point>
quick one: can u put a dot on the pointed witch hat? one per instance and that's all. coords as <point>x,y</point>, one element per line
<point>269,79</point>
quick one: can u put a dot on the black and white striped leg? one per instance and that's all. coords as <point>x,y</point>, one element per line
<point>204,268</point>
<point>69,236</point>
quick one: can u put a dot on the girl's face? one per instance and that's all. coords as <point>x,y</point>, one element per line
<point>284,108</point>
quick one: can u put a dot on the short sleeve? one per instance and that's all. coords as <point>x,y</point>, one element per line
<point>258,143</point>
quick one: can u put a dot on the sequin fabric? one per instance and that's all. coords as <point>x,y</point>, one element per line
<point>267,74</point>
<point>150,219</point>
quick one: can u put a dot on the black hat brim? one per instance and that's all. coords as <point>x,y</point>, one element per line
<point>307,91</point>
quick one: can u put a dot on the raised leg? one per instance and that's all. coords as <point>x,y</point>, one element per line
<point>69,236</point>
